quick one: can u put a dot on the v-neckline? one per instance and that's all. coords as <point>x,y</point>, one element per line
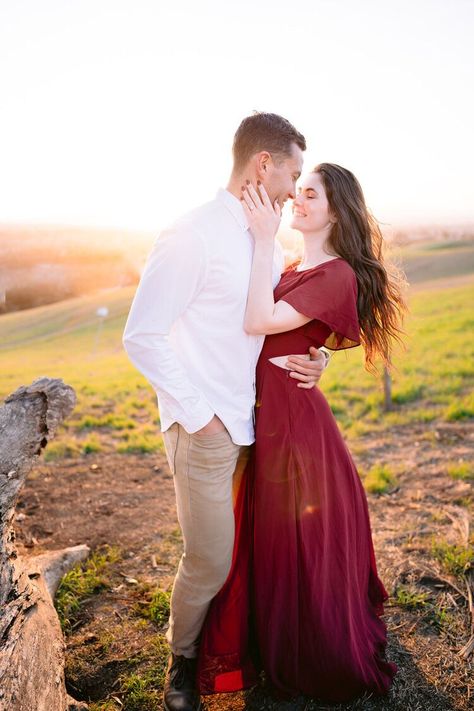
<point>316,266</point>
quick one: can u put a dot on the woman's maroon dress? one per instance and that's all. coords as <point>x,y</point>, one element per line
<point>302,600</point>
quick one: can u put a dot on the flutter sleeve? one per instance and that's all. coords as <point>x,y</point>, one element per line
<point>328,295</point>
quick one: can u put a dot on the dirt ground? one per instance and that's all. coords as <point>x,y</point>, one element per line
<point>128,501</point>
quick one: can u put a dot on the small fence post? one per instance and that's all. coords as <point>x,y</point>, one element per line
<point>387,390</point>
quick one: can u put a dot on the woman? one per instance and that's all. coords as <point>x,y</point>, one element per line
<point>303,599</point>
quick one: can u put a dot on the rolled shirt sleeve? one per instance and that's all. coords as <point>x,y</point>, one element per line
<point>174,274</point>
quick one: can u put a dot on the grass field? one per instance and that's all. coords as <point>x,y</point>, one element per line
<point>415,462</point>
<point>432,378</point>
<point>424,262</point>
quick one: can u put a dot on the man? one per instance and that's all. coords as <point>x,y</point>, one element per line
<point>185,334</point>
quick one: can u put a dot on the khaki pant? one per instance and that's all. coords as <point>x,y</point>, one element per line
<point>203,467</point>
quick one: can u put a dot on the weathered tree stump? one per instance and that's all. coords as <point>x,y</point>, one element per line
<point>31,640</point>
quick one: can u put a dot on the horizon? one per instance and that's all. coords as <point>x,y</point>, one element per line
<point>129,231</point>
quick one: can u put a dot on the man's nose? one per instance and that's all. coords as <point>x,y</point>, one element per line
<point>292,194</point>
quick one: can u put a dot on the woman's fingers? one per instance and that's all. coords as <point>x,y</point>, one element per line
<point>254,195</point>
<point>264,195</point>
<point>275,207</point>
<point>245,206</point>
<point>248,200</point>
<point>260,198</point>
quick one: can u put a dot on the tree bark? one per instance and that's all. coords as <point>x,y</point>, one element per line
<point>31,640</point>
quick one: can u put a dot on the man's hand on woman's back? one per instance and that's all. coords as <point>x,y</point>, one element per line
<point>308,369</point>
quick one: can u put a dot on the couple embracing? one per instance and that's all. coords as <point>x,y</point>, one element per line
<point>278,572</point>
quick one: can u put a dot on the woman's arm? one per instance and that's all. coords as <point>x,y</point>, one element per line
<point>262,315</point>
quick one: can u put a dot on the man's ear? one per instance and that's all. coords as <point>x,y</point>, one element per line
<point>264,160</point>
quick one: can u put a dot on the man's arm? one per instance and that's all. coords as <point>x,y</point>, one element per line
<point>174,274</point>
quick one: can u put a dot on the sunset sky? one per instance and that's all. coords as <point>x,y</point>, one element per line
<point>121,113</point>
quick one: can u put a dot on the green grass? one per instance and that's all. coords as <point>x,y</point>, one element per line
<point>442,619</point>
<point>379,479</point>
<point>460,470</point>
<point>460,410</point>
<point>452,557</point>
<point>64,448</point>
<point>411,598</point>
<point>156,608</point>
<point>103,706</point>
<point>410,392</point>
<point>116,409</point>
<point>81,582</point>
<point>433,610</point>
<point>142,689</point>
<point>141,443</point>
<point>159,608</point>
<point>432,379</point>
<point>138,694</point>
<point>91,445</point>
<point>112,420</point>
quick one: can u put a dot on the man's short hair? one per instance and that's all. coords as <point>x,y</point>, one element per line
<point>265,132</point>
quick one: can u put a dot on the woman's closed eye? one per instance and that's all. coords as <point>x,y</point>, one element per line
<point>307,193</point>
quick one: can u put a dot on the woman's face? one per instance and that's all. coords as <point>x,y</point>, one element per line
<point>311,211</point>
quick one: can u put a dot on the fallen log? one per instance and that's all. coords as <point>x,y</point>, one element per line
<point>31,640</point>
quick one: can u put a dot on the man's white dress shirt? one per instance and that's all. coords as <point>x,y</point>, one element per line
<point>185,328</point>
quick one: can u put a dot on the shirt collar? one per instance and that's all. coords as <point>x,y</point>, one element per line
<point>234,206</point>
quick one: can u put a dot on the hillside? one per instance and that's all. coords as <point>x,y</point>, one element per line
<point>105,482</point>
<point>41,265</point>
<point>437,260</point>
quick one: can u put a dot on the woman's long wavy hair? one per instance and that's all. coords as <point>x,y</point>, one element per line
<point>356,237</point>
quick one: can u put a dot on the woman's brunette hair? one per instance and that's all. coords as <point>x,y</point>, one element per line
<point>356,237</point>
